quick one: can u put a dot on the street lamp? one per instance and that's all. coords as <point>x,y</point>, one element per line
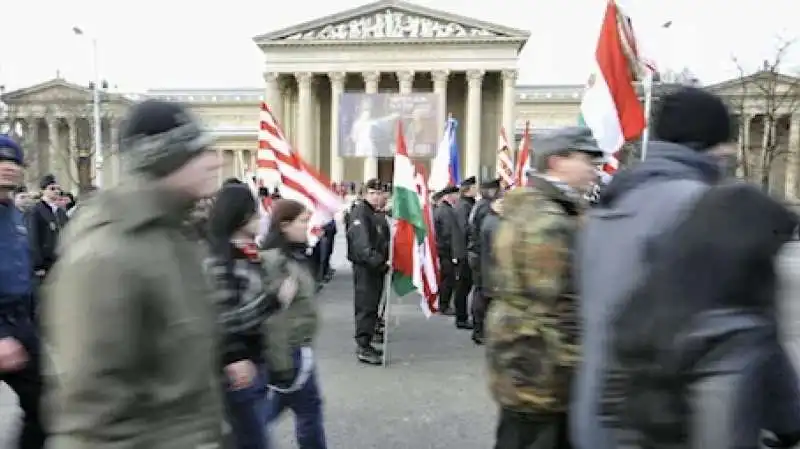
<point>98,139</point>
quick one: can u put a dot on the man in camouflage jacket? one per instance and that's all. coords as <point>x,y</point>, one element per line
<point>532,334</point>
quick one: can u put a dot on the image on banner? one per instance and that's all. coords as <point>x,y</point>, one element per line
<point>368,122</point>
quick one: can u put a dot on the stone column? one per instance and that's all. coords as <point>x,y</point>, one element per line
<point>473,131</point>
<point>793,158</point>
<point>71,156</point>
<point>272,95</point>
<point>371,80</point>
<point>305,117</point>
<point>337,89</point>
<point>440,89</point>
<point>54,162</point>
<point>509,101</point>
<point>744,144</point>
<point>114,156</point>
<point>406,81</point>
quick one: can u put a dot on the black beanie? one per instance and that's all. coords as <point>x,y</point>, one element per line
<point>233,207</point>
<point>693,117</point>
<point>159,137</point>
<point>47,181</point>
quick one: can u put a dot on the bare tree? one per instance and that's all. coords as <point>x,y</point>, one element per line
<point>776,95</point>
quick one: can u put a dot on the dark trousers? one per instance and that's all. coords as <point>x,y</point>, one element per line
<point>327,253</point>
<point>248,413</point>
<point>27,382</point>
<point>532,431</point>
<point>306,404</point>
<point>480,305</point>
<point>463,288</point>
<point>447,283</point>
<point>367,293</point>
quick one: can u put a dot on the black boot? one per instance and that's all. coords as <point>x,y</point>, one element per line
<point>478,337</point>
<point>369,355</point>
<point>464,324</point>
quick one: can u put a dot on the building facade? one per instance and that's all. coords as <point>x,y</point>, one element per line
<point>384,47</point>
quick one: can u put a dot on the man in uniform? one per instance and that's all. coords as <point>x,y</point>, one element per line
<point>487,261</point>
<point>464,207</point>
<point>451,246</point>
<point>19,338</point>
<point>129,314</point>
<point>368,239</point>
<point>489,191</point>
<point>45,221</point>
<point>532,335</point>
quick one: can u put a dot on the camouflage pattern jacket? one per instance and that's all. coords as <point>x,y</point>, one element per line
<point>532,330</point>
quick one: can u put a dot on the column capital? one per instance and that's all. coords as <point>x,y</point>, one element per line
<point>337,78</point>
<point>510,75</point>
<point>475,77</point>
<point>71,120</point>
<point>440,76</point>
<point>405,76</point>
<point>272,77</point>
<point>371,76</point>
<point>304,78</point>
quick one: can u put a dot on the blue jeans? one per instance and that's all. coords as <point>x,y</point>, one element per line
<point>248,411</point>
<point>306,403</point>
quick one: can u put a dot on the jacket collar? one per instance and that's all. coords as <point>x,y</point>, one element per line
<point>139,202</point>
<point>547,189</point>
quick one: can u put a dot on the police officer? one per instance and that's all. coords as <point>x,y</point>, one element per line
<point>45,221</point>
<point>466,203</point>
<point>368,240</point>
<point>489,190</point>
<point>482,209</point>
<point>19,338</point>
<point>451,246</point>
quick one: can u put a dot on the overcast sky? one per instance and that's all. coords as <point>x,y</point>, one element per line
<point>194,44</point>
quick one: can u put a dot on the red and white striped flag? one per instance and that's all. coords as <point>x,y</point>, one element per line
<point>429,254</point>
<point>504,165</point>
<point>298,181</point>
<point>523,158</point>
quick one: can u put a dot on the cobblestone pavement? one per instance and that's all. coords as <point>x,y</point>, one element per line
<point>432,396</point>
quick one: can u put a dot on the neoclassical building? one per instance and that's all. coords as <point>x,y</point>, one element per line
<point>383,47</point>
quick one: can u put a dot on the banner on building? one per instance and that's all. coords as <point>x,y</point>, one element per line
<point>368,124</point>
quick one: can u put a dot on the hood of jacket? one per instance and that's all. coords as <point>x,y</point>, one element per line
<point>665,161</point>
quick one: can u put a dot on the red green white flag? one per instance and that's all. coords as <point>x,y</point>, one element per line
<point>410,230</point>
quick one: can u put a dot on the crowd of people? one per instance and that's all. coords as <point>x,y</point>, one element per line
<point>165,306</point>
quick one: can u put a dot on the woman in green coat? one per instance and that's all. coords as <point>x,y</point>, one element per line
<point>291,332</point>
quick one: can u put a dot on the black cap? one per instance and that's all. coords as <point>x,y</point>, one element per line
<point>469,182</point>
<point>491,184</point>
<point>159,137</point>
<point>693,117</point>
<point>46,181</point>
<point>448,190</point>
<point>374,184</point>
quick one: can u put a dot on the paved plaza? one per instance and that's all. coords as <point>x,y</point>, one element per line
<point>432,396</point>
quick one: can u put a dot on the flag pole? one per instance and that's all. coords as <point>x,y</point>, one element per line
<point>386,301</point>
<point>648,105</point>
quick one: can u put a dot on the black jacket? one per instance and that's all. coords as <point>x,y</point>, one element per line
<point>479,212</point>
<point>487,257</point>
<point>44,227</point>
<point>368,238</point>
<point>464,208</point>
<point>450,239</point>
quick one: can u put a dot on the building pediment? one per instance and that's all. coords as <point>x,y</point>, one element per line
<point>390,20</point>
<point>758,84</point>
<point>57,91</point>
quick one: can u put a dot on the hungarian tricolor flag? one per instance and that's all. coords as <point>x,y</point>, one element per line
<point>610,105</point>
<point>410,230</point>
